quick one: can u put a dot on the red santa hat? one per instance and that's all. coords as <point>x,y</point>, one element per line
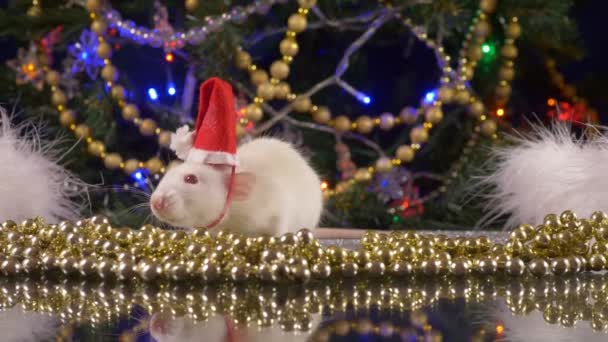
<point>214,140</point>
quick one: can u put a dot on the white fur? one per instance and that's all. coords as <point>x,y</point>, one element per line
<point>532,327</point>
<point>31,182</point>
<point>18,325</point>
<point>181,142</point>
<point>548,171</point>
<point>183,329</point>
<point>286,195</point>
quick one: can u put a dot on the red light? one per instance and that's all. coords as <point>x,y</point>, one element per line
<point>405,204</point>
<point>551,102</point>
<point>169,57</point>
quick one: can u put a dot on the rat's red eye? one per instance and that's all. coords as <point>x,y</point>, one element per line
<point>190,179</point>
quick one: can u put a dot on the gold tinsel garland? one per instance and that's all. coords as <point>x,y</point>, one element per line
<point>92,248</point>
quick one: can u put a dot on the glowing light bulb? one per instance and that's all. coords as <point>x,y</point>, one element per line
<point>169,57</point>
<point>364,98</point>
<point>500,112</point>
<point>152,94</point>
<point>430,96</point>
<point>31,67</point>
<point>324,185</point>
<point>171,90</point>
<point>500,329</point>
<point>551,102</point>
<point>138,175</point>
<point>84,55</point>
<point>486,48</point>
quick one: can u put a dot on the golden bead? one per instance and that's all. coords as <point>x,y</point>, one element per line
<point>243,59</point>
<point>96,148</point>
<point>488,127</point>
<point>266,91</point>
<point>53,78</point>
<point>598,217</point>
<point>597,262</point>
<point>164,138</point>
<point>321,270</point>
<point>560,266</point>
<point>405,153</point>
<point>109,73</point>
<point>433,114</point>
<point>342,124</point>
<point>297,23</point>
<point>302,104</point>
<point>349,269</point>
<point>513,30</point>
<point>402,269</point>
<point>281,90</point>
<point>307,3</point>
<point>445,94</point>
<point>259,77</point>
<point>482,29</point>
<point>362,175</point>
<point>321,115</point>
<point>99,26</point>
<point>462,96</point>
<point>475,53</point>
<point>67,117</point>
<point>279,70</point>
<point>515,267</point>
<point>509,51</point>
<point>147,127</point>
<point>125,270</point>
<point>131,165</point>
<point>506,73</point>
<point>93,5</point>
<point>130,112</point>
<point>59,98</point>
<point>34,11</point>
<point>10,266</point>
<point>118,92</point>
<point>210,271</point>
<point>154,165</point>
<point>364,124</point>
<point>460,266</point>
<point>503,91</point>
<point>409,115</point>
<point>68,265</point>
<point>419,134</point>
<point>254,112</point>
<point>104,50</point>
<point>82,131</point>
<point>375,269</point>
<point>384,164</point>
<point>87,266</point>
<point>387,121</point>
<point>289,47</point>
<point>539,267</point>
<point>486,266</point>
<point>487,6</point>
<point>476,109</point>
<point>149,270</point>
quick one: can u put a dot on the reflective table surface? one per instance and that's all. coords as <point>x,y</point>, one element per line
<point>413,309</point>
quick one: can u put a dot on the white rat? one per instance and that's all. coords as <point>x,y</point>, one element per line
<point>275,191</point>
<point>221,329</point>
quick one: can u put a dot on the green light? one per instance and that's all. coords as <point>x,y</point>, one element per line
<point>486,48</point>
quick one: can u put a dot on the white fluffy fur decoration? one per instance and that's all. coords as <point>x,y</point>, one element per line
<point>548,171</point>
<point>31,182</point>
<point>19,325</point>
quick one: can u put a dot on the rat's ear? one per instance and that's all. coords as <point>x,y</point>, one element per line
<point>243,185</point>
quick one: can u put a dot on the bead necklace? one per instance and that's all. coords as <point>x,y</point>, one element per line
<point>563,301</point>
<point>176,40</point>
<point>93,248</point>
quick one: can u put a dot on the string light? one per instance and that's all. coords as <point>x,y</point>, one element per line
<point>152,94</point>
<point>430,96</point>
<point>551,102</point>
<point>500,329</point>
<point>324,185</point>
<point>169,57</point>
<point>171,89</point>
<point>140,177</point>
<point>500,112</point>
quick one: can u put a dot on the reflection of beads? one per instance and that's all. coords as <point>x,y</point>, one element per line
<point>561,245</point>
<point>563,301</point>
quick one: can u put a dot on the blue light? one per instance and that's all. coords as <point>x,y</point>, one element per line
<point>84,55</point>
<point>364,98</point>
<point>171,90</point>
<point>152,94</point>
<point>430,96</point>
<point>138,175</point>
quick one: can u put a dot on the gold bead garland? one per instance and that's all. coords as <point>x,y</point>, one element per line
<point>563,301</point>
<point>446,93</point>
<point>130,111</point>
<point>506,73</point>
<point>91,248</point>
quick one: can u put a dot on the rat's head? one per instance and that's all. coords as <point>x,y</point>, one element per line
<point>190,194</point>
<point>164,328</point>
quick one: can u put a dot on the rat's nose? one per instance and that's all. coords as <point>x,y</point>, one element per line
<point>158,203</point>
